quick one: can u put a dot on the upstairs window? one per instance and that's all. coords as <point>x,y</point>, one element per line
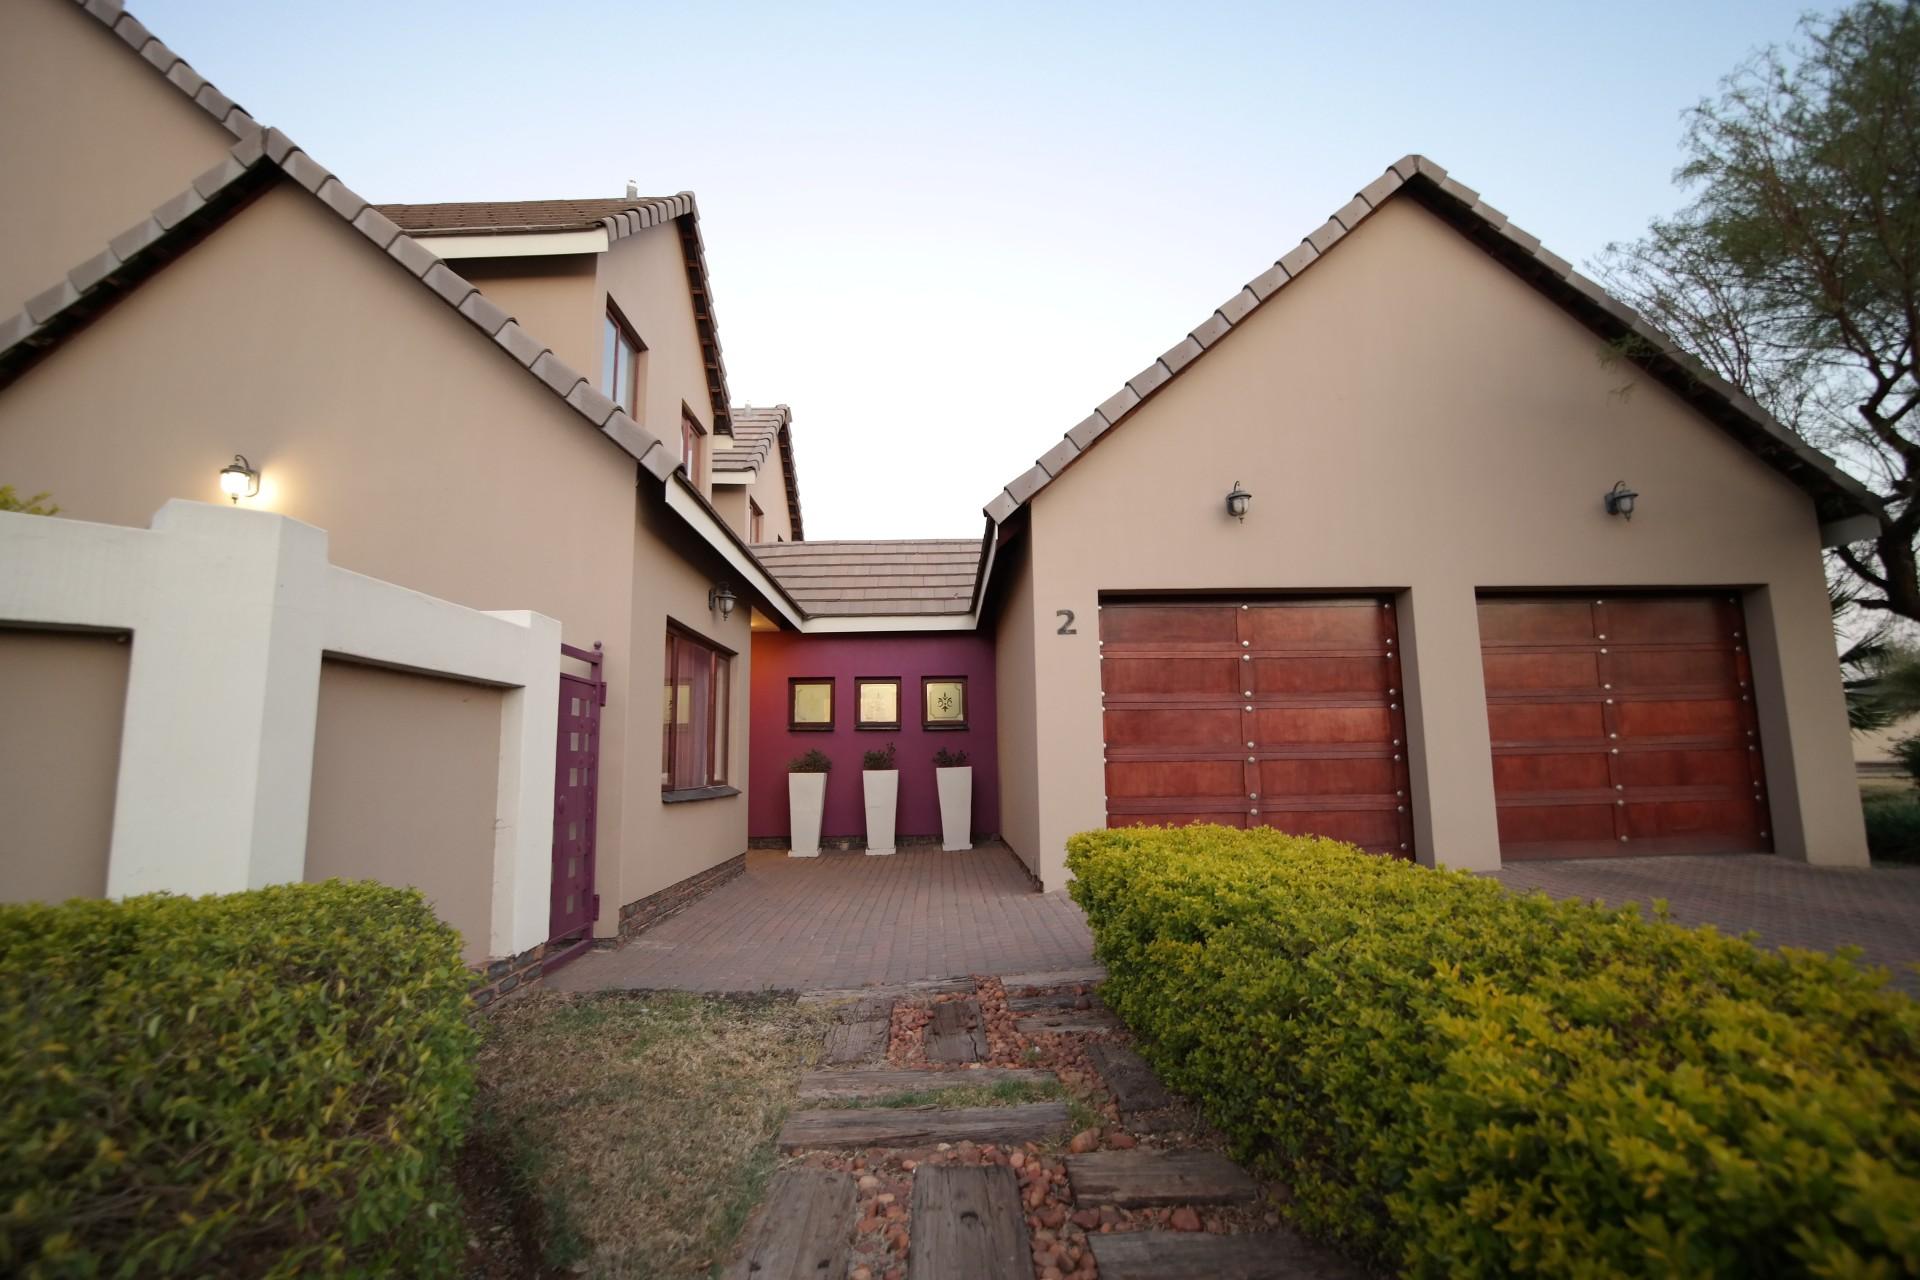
<point>620,363</point>
<point>690,433</point>
<point>756,522</point>
<point>693,745</point>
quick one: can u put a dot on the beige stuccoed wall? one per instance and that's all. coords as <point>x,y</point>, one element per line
<point>1016,708</point>
<point>769,489</point>
<point>405,787</point>
<point>669,842</point>
<point>431,458</point>
<point>62,697</point>
<point>646,277</point>
<point>551,295</point>
<point>1412,418</point>
<point>92,138</point>
<point>730,500</point>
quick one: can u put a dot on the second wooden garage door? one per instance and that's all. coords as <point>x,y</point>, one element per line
<point>1622,725</point>
<point>1257,713</point>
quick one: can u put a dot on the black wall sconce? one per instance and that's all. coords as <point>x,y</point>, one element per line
<point>1620,500</point>
<point>1238,501</point>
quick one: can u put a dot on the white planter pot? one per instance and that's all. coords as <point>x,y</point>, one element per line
<point>883,804</point>
<point>956,807</point>
<point>806,801</point>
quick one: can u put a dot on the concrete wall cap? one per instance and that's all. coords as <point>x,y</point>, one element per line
<point>1055,460</point>
<point>93,270</point>
<point>410,254</point>
<point>519,343</point>
<point>46,304</point>
<point>448,283</point>
<point>1089,429</point>
<point>1236,308</point>
<point>1115,406</point>
<point>487,315</point>
<point>376,226</point>
<point>1181,354</point>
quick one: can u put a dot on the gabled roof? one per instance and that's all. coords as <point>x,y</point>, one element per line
<point>1837,496</point>
<point>165,62</point>
<point>891,577</point>
<point>756,434</point>
<point>252,165</point>
<point>620,216</point>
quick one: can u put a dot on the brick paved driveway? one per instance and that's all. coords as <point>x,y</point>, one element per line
<point>847,920</point>
<point>1788,904</point>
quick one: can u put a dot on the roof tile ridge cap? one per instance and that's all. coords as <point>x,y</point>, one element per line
<point>199,90</point>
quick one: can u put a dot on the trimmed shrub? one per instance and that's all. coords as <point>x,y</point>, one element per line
<point>271,1083</point>
<point>1455,1080</point>
<point>1893,826</point>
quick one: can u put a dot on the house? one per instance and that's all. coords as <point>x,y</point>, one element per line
<point>1390,589</point>
<point>265,310</point>
<point>1384,594</point>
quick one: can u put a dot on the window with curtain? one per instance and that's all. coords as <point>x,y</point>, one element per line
<point>693,746</point>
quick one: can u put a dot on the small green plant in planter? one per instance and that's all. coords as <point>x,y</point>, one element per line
<point>883,759</point>
<point>815,761</point>
<point>806,801</point>
<point>945,759</point>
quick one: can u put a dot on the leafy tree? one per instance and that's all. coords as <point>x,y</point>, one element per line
<point>1794,273</point>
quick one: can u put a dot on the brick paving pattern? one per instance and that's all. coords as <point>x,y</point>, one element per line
<point>1788,904</point>
<point>847,920</point>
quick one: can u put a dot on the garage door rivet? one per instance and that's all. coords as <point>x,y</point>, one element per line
<point>1603,648</point>
<point>1244,608</point>
<point>1613,735</point>
<point>1606,686</point>
<point>1246,644</point>
<point>1389,639</point>
<point>1399,793</point>
<point>1609,701</point>
<point>1246,657</point>
<point>1249,744</point>
<point>1599,601</point>
<point>1253,795</point>
<point>1603,635</point>
<point>1246,693</point>
<point>1249,706</point>
<point>1393,706</point>
<point>1614,750</point>
<point>1253,811</point>
<point>1391,691</point>
<point>1763,835</point>
<point>1619,802</point>
<point>1736,648</point>
<point>1399,808</point>
<point>1396,755</point>
<point>1396,742</point>
<point>1743,697</point>
<point>1403,846</point>
<point>1249,759</point>
<point>1619,786</point>
<point>1736,635</point>
<point>1623,839</point>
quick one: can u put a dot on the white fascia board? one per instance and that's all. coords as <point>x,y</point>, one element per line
<point>703,522</point>
<point>529,245</point>
<point>735,477</point>
<point>843,624</point>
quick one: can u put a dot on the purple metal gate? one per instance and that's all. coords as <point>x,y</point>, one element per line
<point>576,795</point>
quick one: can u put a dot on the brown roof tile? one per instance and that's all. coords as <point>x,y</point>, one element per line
<point>920,577</point>
<point>511,217</point>
<point>757,432</point>
<point>1836,494</point>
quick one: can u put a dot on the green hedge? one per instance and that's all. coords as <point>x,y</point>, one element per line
<point>1455,1080</point>
<point>1893,826</point>
<point>272,1083</point>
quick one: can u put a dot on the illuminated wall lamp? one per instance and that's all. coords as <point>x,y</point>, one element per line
<point>238,479</point>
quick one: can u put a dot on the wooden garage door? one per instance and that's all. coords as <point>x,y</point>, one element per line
<point>1622,725</point>
<point>1273,714</point>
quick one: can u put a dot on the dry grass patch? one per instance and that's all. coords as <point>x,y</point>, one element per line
<point>643,1125</point>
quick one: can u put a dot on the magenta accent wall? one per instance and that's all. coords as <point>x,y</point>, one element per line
<point>779,655</point>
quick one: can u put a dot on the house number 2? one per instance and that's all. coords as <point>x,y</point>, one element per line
<point>1066,622</point>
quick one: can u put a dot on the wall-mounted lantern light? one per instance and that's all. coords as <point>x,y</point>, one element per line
<point>722,598</point>
<point>238,479</point>
<point>1238,501</point>
<point>1620,500</point>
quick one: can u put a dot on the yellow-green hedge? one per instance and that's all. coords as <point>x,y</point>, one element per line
<point>271,1083</point>
<point>1459,1081</point>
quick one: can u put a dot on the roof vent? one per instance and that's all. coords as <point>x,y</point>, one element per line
<point>633,189</point>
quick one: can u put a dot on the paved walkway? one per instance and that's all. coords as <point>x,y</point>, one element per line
<point>847,920</point>
<point>1788,904</point>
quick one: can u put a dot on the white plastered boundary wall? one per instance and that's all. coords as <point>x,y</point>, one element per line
<point>231,611</point>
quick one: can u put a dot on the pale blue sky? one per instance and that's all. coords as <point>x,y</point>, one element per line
<point>943,234</point>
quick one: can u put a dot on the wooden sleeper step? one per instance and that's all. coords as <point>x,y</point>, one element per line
<point>1061,1021</point>
<point>956,1033</point>
<point>804,1232</point>
<point>817,1086</point>
<point>967,1224</point>
<point>922,1126</point>
<point>1181,1255</point>
<point>1135,1087</point>
<point>1140,1179</point>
